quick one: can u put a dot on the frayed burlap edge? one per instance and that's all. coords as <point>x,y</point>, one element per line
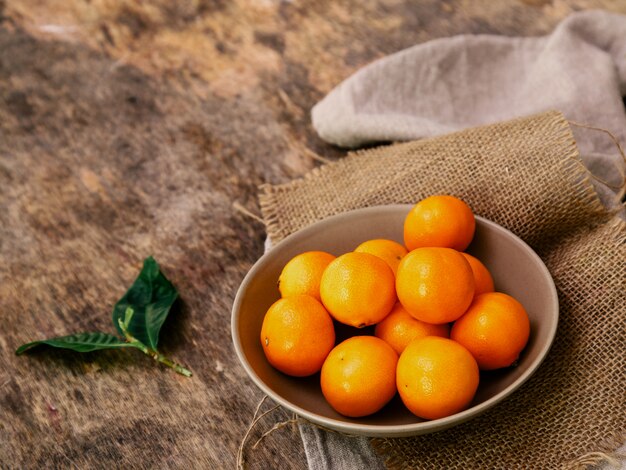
<point>573,167</point>
<point>606,454</point>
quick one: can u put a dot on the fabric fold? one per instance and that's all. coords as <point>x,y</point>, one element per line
<point>465,81</point>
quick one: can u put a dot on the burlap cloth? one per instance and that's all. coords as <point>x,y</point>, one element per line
<point>527,176</point>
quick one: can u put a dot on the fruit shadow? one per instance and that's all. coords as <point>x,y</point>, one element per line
<point>343,332</point>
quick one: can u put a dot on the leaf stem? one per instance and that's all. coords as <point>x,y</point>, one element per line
<point>171,364</point>
<point>156,355</point>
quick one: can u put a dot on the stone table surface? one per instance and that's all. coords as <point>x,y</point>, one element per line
<point>129,128</point>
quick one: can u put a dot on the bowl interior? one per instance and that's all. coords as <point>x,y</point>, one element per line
<point>516,270</point>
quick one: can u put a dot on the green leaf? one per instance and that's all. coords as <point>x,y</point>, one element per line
<point>81,342</point>
<point>150,297</point>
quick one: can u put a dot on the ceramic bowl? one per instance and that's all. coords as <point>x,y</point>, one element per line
<point>515,267</point>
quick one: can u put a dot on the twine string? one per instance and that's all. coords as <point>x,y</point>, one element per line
<point>256,418</point>
<point>609,133</point>
<point>594,459</point>
<point>622,187</point>
<point>253,422</point>
<point>311,154</point>
<point>241,209</point>
<point>280,424</point>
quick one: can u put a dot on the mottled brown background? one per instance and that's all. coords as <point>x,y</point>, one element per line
<point>129,128</point>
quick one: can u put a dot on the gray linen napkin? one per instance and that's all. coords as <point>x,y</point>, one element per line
<point>449,84</point>
<point>465,81</point>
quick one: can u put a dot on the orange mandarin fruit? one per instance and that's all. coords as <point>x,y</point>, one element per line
<point>435,285</point>
<point>358,289</point>
<point>494,329</point>
<point>297,334</point>
<point>358,376</point>
<point>436,377</point>
<point>443,221</point>
<point>399,328</point>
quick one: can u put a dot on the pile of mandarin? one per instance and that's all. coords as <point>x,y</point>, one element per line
<point>437,318</point>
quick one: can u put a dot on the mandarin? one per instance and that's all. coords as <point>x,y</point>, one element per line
<point>443,221</point>
<point>389,251</point>
<point>436,377</point>
<point>494,329</point>
<point>297,334</point>
<point>303,273</point>
<point>399,328</point>
<point>435,285</point>
<point>358,289</point>
<point>358,376</point>
<point>482,277</point>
